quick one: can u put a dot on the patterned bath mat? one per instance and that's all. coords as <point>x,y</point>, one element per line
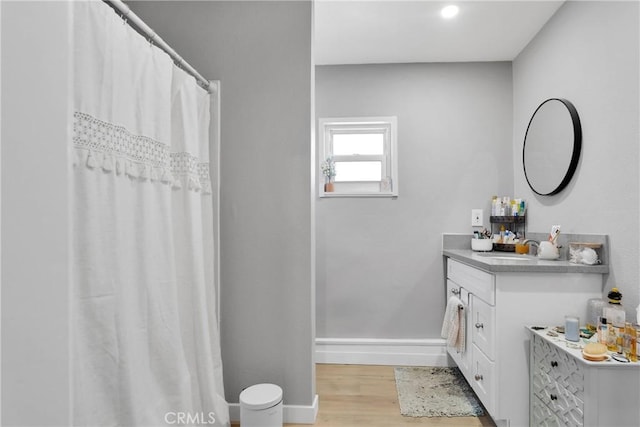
<point>435,392</point>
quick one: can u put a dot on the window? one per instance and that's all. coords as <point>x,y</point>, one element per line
<point>364,154</point>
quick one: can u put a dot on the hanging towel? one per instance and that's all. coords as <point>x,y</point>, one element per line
<point>453,324</point>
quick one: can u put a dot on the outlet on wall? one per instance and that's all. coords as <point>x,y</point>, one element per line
<point>476,218</point>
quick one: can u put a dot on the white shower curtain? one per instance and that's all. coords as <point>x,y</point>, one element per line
<point>145,339</point>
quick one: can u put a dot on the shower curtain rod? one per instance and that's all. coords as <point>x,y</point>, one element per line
<point>129,15</point>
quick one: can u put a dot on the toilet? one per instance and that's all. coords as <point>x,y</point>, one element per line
<point>261,406</point>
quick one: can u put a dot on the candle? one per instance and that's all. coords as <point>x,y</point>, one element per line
<point>572,328</point>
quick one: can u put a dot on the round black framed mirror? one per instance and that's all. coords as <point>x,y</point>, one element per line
<point>552,146</point>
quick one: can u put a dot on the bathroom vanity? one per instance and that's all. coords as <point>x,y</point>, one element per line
<point>502,294</point>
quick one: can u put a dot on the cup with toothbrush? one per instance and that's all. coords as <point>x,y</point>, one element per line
<point>548,249</point>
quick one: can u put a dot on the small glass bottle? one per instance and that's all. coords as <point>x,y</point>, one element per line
<point>615,314</point>
<point>612,338</point>
<point>603,334</point>
<point>594,313</point>
<point>630,342</point>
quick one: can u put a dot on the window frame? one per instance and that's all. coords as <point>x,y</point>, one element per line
<point>328,127</point>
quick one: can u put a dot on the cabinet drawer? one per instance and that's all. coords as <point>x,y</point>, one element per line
<point>556,366</point>
<point>564,405</point>
<point>482,326</point>
<point>558,382</point>
<point>542,416</point>
<point>483,379</point>
<point>476,281</point>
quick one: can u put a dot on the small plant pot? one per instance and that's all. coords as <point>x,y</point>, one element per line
<point>328,187</point>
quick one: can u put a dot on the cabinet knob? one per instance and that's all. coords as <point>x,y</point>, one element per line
<point>479,325</point>
<point>553,397</point>
<point>554,364</point>
<point>478,377</point>
<point>455,291</point>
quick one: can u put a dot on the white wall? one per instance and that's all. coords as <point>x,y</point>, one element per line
<point>589,53</point>
<point>261,52</point>
<point>379,262</point>
<point>36,55</point>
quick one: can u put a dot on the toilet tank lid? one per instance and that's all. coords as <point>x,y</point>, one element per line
<point>261,396</point>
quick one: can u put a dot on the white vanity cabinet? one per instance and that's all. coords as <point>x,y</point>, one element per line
<point>499,306</point>
<point>567,390</point>
<point>476,290</point>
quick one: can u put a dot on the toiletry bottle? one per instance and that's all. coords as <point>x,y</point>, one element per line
<point>612,339</point>
<point>594,313</point>
<point>614,312</point>
<point>637,328</point>
<point>603,333</point>
<point>630,342</point>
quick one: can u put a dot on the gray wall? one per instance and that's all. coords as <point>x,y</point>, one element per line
<point>589,53</point>
<point>379,263</point>
<point>35,213</point>
<point>261,52</point>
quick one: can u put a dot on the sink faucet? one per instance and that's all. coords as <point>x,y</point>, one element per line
<point>532,242</point>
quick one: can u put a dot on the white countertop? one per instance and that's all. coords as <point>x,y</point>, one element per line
<point>575,350</point>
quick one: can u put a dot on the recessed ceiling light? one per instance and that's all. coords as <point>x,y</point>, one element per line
<point>450,11</point>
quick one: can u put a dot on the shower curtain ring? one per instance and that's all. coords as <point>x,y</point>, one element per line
<point>152,36</point>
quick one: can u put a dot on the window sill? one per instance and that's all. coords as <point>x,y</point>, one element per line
<point>338,195</point>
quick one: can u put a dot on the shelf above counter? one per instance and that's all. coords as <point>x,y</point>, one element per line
<point>507,219</point>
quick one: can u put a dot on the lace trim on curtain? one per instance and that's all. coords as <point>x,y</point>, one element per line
<point>113,148</point>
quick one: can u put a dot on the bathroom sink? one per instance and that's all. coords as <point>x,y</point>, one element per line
<point>507,256</point>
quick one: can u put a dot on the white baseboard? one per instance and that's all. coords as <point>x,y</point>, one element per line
<point>391,352</point>
<point>291,414</point>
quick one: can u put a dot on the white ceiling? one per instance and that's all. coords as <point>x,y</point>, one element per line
<point>396,31</point>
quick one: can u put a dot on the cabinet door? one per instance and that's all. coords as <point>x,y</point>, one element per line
<point>483,326</point>
<point>463,360</point>
<point>484,379</point>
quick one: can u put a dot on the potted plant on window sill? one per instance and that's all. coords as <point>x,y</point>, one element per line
<point>329,171</point>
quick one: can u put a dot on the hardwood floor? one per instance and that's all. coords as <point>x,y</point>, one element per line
<point>359,395</point>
